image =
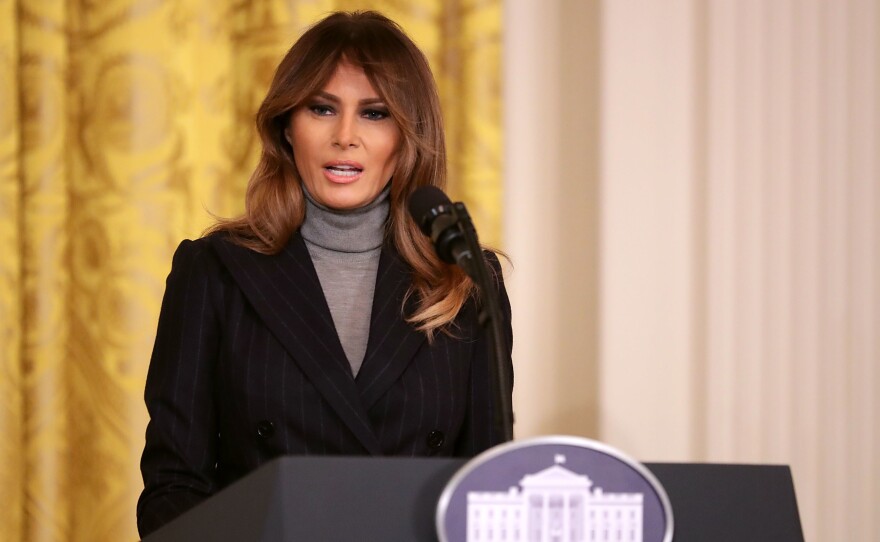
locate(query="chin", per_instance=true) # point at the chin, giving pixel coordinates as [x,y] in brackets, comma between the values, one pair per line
[348,198]
[345,202]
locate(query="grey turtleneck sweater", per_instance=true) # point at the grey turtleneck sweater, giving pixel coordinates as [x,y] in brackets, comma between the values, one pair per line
[345,248]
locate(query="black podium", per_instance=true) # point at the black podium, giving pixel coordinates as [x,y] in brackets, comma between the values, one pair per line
[390,499]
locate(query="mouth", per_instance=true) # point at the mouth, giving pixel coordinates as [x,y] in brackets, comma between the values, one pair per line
[343,172]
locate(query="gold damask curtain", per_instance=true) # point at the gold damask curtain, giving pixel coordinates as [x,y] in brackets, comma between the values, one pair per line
[123,125]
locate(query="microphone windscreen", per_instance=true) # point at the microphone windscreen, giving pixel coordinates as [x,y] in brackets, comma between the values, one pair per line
[423,204]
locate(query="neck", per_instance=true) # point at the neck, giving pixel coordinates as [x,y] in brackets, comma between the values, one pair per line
[354,230]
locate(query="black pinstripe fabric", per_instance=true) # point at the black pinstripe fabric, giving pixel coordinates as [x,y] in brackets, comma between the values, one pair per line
[247,366]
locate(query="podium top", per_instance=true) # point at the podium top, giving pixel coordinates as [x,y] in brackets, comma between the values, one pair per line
[388,499]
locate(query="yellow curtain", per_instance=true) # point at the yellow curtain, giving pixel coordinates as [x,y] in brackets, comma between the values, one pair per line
[123,124]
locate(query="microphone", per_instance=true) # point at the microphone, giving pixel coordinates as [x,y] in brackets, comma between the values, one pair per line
[445,223]
[455,239]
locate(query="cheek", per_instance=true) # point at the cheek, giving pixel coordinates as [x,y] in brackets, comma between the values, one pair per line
[302,141]
[393,149]
[302,154]
[299,160]
[392,157]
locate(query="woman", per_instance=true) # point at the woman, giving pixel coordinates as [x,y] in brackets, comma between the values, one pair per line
[321,321]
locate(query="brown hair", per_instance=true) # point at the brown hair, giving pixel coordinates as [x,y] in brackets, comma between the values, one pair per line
[397,69]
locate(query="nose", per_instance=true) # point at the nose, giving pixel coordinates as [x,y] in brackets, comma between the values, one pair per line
[346,133]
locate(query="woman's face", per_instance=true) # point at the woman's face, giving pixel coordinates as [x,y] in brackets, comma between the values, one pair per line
[344,141]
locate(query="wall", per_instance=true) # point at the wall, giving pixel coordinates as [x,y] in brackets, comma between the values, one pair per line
[725,296]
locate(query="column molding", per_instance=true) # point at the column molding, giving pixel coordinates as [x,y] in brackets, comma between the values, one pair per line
[551,211]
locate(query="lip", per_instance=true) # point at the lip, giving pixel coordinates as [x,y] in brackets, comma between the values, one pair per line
[342,179]
[350,163]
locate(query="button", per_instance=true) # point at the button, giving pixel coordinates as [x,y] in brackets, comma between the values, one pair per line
[265,429]
[436,439]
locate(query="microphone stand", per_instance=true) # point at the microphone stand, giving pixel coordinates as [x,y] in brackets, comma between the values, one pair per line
[491,318]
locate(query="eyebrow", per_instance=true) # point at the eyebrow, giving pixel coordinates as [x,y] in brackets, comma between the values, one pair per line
[336,99]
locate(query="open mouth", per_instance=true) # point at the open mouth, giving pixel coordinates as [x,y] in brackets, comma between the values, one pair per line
[344,171]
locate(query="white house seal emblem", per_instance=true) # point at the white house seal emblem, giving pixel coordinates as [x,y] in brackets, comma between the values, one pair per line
[554,489]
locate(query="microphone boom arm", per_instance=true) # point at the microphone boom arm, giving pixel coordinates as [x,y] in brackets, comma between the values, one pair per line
[470,258]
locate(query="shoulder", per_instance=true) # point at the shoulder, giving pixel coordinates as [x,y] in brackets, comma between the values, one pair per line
[494,258]
[195,261]
[191,253]
[231,247]
[217,252]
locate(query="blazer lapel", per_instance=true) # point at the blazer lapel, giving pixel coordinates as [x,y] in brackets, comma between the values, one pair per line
[393,342]
[285,291]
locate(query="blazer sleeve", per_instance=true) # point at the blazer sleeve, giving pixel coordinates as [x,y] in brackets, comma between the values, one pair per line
[479,432]
[178,463]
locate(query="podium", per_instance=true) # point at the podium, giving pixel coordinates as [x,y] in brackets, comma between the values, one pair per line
[390,499]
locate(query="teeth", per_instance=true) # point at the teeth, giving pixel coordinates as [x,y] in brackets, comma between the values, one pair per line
[346,171]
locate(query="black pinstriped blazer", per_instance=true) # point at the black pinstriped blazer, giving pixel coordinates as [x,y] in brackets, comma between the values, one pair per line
[247,366]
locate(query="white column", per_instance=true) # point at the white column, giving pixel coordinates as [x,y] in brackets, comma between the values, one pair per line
[566,511]
[648,187]
[550,211]
[545,519]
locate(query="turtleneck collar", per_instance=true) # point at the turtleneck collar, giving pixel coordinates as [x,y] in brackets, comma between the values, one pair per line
[354,230]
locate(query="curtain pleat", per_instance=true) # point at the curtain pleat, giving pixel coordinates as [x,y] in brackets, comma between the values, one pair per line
[12,452]
[45,319]
[124,125]
[472,103]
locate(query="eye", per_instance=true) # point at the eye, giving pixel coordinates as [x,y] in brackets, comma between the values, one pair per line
[321,110]
[375,114]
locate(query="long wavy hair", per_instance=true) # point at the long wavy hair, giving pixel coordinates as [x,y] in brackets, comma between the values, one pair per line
[399,72]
